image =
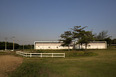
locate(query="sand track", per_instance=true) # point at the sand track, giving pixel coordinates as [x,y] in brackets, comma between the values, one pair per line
[8,63]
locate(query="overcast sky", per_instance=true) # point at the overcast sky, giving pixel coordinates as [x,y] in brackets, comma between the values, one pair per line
[36,20]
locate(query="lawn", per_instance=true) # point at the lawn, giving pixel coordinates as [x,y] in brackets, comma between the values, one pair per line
[101,65]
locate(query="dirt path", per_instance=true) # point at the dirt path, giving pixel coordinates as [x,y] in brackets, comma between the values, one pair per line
[8,63]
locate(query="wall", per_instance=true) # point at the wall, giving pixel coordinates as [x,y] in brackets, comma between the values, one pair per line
[50,46]
[57,45]
[93,46]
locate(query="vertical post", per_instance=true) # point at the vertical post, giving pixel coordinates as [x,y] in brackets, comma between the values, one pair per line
[30,55]
[23,47]
[5,43]
[13,42]
[13,45]
[64,55]
[69,47]
[25,54]
[41,54]
[31,47]
[52,54]
[5,46]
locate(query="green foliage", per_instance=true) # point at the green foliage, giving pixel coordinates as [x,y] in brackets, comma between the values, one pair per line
[41,51]
[66,38]
[16,46]
[78,31]
[102,35]
[78,34]
[9,45]
[80,54]
[71,53]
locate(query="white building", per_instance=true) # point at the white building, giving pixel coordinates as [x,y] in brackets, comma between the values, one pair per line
[49,45]
[93,45]
[57,45]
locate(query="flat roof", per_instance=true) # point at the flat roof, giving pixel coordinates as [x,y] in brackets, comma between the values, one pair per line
[61,42]
[48,41]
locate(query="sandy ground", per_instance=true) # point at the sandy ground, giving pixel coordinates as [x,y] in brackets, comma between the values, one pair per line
[8,63]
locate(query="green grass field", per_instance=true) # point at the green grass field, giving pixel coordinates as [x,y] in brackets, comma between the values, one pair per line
[94,63]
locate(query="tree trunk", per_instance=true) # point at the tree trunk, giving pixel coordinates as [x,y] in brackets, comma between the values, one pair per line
[85,46]
[68,47]
[81,46]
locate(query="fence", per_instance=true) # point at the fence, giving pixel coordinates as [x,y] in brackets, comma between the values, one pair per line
[40,54]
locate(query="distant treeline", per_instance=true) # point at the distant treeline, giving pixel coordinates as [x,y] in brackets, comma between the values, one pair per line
[9,46]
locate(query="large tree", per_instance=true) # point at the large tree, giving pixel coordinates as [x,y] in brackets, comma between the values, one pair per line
[86,37]
[103,36]
[82,36]
[78,34]
[66,37]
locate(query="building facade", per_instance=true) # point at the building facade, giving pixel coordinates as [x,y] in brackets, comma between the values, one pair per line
[58,45]
[49,45]
[93,45]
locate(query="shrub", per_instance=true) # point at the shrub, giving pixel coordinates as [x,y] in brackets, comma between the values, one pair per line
[80,53]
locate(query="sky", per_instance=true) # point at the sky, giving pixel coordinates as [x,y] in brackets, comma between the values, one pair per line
[26,21]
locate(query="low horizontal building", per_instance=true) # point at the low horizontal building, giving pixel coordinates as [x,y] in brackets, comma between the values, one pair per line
[58,45]
[93,45]
[49,45]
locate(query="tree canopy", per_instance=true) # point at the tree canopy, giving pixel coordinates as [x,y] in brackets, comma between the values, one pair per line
[77,33]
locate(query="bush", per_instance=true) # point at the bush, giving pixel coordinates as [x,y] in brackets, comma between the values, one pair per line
[80,53]
[72,53]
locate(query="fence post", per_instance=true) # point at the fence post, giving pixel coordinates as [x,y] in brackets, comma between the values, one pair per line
[52,54]
[41,54]
[64,55]
[26,54]
[30,55]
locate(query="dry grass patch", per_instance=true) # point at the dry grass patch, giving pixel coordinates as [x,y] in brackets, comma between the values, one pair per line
[8,63]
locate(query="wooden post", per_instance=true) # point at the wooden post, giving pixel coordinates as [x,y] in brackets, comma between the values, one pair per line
[5,43]
[5,46]
[26,54]
[52,54]
[30,54]
[64,55]
[13,42]
[41,54]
